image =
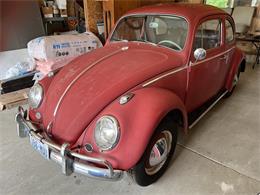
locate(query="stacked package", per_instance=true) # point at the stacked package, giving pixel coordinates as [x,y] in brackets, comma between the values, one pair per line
[53,52]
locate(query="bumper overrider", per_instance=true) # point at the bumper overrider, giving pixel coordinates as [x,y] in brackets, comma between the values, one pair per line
[67,159]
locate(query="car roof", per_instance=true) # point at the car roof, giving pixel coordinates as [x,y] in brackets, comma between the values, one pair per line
[187,10]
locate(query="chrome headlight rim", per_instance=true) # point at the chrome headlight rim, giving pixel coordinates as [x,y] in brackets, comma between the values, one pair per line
[32,104]
[118,134]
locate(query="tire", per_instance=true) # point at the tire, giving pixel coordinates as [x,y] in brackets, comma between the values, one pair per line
[149,168]
[235,81]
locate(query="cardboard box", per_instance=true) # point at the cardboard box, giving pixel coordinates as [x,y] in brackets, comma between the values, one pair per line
[47,12]
[63,13]
[71,8]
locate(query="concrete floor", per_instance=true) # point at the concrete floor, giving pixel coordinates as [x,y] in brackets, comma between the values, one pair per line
[221,155]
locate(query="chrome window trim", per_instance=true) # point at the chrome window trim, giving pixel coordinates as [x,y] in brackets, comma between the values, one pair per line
[233,31]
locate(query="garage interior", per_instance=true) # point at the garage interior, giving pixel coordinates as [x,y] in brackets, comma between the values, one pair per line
[220,155]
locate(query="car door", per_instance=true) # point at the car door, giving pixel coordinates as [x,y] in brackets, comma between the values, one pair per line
[227,55]
[204,81]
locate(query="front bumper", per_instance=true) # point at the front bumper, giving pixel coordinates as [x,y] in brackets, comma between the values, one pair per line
[67,159]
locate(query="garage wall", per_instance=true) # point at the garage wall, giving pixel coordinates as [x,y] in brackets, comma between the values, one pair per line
[20,22]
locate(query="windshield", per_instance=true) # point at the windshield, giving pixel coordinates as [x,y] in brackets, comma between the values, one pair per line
[168,31]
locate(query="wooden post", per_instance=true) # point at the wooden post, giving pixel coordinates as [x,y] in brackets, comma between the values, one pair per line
[93,12]
[195,1]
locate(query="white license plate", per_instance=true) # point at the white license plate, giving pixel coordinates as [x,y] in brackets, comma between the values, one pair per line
[40,147]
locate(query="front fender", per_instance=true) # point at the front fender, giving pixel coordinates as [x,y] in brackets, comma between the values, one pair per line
[45,83]
[138,119]
[237,59]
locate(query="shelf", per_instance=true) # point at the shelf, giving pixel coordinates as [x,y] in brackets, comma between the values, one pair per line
[59,19]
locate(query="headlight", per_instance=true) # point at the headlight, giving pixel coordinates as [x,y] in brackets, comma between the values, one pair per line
[35,96]
[107,133]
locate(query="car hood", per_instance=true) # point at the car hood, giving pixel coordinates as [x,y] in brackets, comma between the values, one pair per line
[88,84]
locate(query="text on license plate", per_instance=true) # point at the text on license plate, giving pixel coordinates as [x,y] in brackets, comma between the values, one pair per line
[40,147]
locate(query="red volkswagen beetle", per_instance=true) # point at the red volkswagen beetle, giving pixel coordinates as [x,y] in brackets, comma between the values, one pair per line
[117,109]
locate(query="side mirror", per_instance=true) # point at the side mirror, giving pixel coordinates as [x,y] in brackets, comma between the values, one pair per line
[200,54]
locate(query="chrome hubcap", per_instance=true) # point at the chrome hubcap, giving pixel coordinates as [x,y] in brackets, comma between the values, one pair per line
[159,153]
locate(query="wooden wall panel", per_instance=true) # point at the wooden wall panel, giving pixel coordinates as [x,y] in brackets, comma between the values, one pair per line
[112,10]
[121,7]
[93,13]
[151,2]
[108,15]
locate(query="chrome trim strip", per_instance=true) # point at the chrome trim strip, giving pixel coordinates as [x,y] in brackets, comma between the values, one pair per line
[165,75]
[207,59]
[85,70]
[206,111]
[184,67]
[66,158]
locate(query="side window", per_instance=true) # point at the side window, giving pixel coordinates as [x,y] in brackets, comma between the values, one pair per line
[208,35]
[229,32]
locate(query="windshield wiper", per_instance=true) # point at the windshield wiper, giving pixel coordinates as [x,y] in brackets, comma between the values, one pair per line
[145,41]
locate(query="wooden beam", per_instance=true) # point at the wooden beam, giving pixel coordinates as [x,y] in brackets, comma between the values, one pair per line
[13,99]
[195,1]
[93,12]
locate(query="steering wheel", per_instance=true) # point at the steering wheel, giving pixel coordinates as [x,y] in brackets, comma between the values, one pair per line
[170,42]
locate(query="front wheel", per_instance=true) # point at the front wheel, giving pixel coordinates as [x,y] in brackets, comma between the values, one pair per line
[157,155]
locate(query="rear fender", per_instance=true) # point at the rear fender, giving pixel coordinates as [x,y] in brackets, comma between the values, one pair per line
[237,61]
[137,119]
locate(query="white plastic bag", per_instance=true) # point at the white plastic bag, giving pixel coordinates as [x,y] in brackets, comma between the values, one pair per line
[20,68]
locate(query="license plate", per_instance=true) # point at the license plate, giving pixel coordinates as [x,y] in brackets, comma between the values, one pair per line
[40,147]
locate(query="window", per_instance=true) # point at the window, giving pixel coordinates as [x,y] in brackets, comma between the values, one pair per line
[208,35]
[167,31]
[229,32]
[232,3]
[218,3]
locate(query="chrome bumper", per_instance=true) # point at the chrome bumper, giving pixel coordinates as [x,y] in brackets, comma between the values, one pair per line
[65,157]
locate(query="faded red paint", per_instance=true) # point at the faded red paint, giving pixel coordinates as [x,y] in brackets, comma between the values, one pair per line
[97,91]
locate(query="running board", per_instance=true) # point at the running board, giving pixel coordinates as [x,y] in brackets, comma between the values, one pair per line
[207,110]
